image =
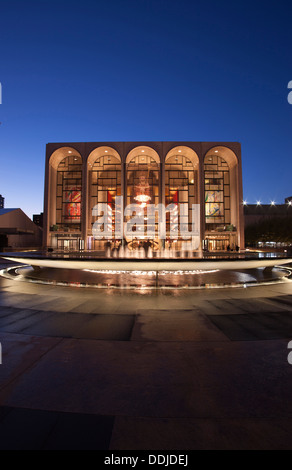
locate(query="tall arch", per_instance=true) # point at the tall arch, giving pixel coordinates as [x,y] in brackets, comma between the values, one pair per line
[65,197]
[143,187]
[221,197]
[142,151]
[142,176]
[61,153]
[182,185]
[104,170]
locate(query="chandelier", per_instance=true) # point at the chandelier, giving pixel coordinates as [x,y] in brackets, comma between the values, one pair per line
[143,198]
[142,191]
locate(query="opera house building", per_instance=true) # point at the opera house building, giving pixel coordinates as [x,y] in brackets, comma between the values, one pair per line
[79,177]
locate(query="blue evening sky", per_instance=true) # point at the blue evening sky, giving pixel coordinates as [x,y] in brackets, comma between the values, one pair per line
[123,70]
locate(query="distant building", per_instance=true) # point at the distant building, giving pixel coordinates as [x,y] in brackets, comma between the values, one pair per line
[38,219]
[268,225]
[254,213]
[2,199]
[17,231]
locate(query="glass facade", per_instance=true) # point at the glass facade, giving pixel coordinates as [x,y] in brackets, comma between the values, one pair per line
[217,192]
[105,185]
[69,195]
[142,176]
[181,187]
[142,179]
[177,178]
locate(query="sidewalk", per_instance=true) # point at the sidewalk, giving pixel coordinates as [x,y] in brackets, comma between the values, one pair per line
[85,369]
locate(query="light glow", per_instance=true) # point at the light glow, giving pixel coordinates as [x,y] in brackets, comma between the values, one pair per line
[150,273]
[143,198]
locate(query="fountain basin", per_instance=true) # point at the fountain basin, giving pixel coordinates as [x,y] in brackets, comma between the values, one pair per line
[157,264]
[81,270]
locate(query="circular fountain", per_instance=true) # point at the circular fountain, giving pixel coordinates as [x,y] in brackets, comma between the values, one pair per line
[160,270]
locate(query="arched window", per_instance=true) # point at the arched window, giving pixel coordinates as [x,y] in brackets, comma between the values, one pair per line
[142,177]
[217,192]
[181,185]
[104,181]
[69,194]
[142,180]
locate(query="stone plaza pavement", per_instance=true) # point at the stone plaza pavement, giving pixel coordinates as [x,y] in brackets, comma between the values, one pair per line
[145,370]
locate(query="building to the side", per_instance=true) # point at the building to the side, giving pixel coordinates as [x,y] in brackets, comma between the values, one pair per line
[255,213]
[2,201]
[78,176]
[268,225]
[17,231]
[38,219]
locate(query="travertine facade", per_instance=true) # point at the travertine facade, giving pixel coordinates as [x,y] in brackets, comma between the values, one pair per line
[81,175]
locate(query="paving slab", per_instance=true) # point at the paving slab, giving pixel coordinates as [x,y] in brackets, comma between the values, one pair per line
[178,325]
[205,369]
[169,434]
[19,353]
[25,318]
[255,326]
[67,325]
[22,429]
[199,379]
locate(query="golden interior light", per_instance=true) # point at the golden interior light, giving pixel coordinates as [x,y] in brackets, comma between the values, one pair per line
[143,198]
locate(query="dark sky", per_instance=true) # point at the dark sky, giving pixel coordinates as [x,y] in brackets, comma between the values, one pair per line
[127,70]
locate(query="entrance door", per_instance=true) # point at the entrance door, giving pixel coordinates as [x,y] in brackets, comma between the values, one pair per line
[216,244]
[70,244]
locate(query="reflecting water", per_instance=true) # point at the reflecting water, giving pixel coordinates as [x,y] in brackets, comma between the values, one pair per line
[140,279]
[163,279]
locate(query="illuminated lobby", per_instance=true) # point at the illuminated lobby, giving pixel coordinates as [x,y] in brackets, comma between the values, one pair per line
[79,176]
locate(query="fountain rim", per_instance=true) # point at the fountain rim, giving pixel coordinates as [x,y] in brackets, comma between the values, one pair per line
[225,262]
